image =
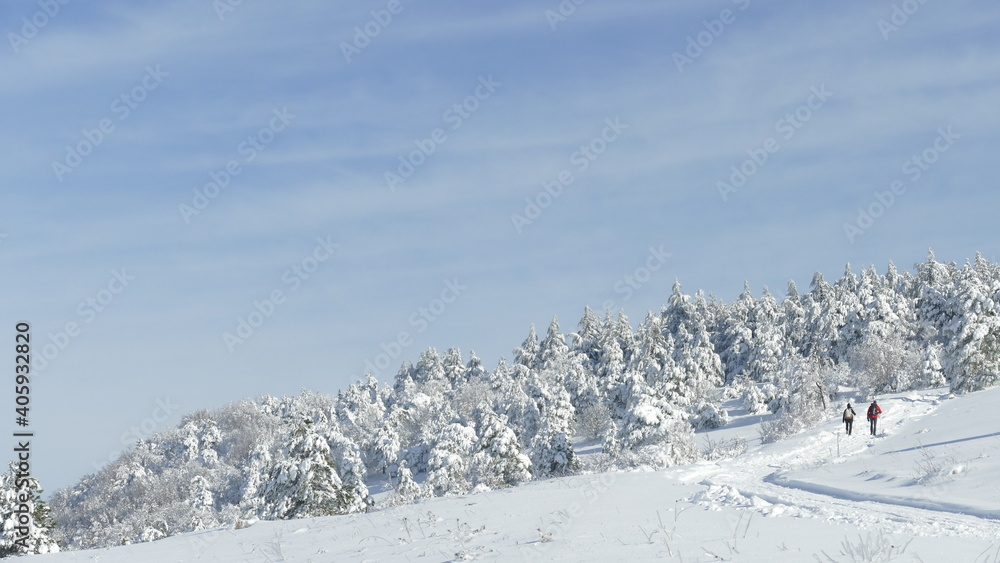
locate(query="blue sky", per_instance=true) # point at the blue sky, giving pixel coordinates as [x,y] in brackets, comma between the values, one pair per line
[600,96]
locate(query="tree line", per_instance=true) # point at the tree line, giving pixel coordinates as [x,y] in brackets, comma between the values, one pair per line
[447,425]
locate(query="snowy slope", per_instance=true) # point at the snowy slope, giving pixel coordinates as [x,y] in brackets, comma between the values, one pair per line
[939,454]
[927,490]
[931,471]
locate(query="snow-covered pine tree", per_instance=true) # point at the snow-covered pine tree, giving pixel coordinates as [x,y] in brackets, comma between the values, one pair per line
[191,441]
[846,316]
[550,448]
[585,354]
[932,273]
[972,349]
[857,322]
[586,341]
[931,372]
[306,483]
[346,457]
[323,415]
[654,360]
[707,312]
[201,499]
[581,383]
[405,490]
[750,394]
[258,467]
[885,312]
[649,419]
[360,409]
[474,370]
[895,282]
[694,352]
[821,333]
[384,454]
[498,461]
[553,349]
[615,338]
[652,431]
[793,319]
[934,288]
[736,340]
[26,522]
[620,391]
[696,358]
[449,460]
[552,451]
[502,376]
[511,400]
[622,332]
[768,345]
[453,367]
[429,370]
[419,419]
[527,354]
[403,384]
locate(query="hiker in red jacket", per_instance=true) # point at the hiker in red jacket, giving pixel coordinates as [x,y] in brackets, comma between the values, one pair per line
[873,412]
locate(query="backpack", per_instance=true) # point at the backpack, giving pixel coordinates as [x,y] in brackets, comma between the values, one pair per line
[848,415]
[872,411]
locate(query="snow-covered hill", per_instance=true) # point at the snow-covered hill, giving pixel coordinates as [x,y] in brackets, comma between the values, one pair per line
[446,425]
[925,490]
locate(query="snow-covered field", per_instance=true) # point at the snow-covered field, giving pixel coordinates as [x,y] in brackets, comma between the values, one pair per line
[927,489]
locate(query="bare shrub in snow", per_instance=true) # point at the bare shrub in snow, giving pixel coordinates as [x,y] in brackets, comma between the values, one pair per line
[678,448]
[933,469]
[593,422]
[467,397]
[872,548]
[794,418]
[886,364]
[803,403]
[715,450]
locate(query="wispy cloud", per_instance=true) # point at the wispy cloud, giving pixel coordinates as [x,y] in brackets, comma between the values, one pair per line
[324,174]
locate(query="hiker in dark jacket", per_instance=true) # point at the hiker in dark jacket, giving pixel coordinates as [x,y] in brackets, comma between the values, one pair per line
[873,412]
[849,418]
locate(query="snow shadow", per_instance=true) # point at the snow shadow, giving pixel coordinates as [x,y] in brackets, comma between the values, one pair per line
[970,438]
